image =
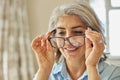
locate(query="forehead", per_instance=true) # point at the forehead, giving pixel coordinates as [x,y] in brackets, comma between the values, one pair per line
[69,21]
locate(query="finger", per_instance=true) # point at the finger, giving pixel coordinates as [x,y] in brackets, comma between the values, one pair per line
[43,41]
[88,43]
[95,33]
[88,47]
[94,37]
[44,45]
[36,42]
[50,48]
[92,31]
[47,35]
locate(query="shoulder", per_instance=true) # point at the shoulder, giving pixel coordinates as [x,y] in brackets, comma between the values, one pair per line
[109,71]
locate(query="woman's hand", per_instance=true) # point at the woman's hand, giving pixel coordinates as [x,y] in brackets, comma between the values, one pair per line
[43,51]
[94,47]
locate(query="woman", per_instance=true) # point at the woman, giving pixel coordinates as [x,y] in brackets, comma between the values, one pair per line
[73,47]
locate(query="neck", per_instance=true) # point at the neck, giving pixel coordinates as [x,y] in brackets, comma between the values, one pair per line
[76,68]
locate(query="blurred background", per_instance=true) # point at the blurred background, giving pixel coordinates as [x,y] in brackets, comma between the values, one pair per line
[22,20]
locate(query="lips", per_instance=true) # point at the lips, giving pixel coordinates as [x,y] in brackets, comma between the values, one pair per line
[70,50]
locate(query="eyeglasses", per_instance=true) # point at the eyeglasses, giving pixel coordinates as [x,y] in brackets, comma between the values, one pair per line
[58,42]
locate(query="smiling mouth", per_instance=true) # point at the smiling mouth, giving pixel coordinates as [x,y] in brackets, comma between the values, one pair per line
[71,50]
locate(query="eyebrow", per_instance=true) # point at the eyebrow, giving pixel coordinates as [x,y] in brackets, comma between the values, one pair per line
[74,27]
[78,27]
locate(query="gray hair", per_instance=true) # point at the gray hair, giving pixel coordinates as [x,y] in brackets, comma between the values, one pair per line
[79,8]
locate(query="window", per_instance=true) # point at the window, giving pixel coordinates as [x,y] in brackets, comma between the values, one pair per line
[115,3]
[100,9]
[114,28]
[108,12]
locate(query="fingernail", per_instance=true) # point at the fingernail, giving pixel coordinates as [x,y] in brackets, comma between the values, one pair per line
[89,28]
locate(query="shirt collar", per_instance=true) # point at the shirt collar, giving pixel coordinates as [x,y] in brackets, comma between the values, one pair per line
[58,67]
[61,68]
[101,66]
[84,74]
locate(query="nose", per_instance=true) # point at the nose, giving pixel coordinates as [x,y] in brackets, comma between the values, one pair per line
[67,42]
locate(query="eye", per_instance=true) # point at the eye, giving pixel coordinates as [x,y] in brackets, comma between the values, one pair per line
[60,33]
[78,32]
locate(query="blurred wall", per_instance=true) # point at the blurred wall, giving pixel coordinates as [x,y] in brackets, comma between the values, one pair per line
[39,12]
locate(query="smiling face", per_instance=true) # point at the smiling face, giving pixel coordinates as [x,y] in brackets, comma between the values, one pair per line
[70,25]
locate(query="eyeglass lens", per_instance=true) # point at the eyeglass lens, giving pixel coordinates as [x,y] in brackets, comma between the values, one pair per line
[74,41]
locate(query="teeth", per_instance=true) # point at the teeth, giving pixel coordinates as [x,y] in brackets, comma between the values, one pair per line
[71,48]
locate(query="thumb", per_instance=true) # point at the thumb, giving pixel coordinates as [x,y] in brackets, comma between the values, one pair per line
[88,47]
[88,43]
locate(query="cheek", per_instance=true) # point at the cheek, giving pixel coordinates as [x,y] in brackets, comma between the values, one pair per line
[82,49]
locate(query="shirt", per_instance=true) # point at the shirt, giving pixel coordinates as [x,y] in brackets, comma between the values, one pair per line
[106,71]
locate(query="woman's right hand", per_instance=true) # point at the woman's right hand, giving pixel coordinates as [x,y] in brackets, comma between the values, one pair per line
[43,51]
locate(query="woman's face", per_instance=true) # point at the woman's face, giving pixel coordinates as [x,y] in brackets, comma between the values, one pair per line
[71,25]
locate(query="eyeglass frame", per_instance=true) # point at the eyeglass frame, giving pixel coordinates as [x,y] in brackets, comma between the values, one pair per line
[66,39]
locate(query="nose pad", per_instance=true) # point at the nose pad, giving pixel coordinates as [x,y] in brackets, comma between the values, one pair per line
[67,44]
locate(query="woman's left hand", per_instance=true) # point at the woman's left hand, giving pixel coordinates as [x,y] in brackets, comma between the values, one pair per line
[94,47]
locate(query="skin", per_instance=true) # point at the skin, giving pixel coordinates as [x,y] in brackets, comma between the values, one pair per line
[79,59]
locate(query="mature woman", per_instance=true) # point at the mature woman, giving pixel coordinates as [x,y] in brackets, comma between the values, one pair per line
[73,47]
